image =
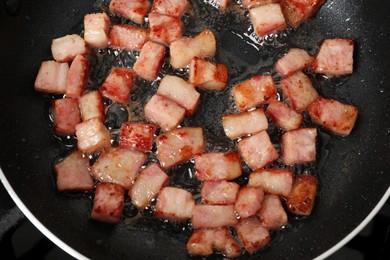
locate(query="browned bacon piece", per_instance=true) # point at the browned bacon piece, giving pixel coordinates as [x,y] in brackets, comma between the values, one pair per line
[252,234]
[207,75]
[174,204]
[283,116]
[118,165]
[118,85]
[150,60]
[298,11]
[164,29]
[108,202]
[218,166]
[137,136]
[302,197]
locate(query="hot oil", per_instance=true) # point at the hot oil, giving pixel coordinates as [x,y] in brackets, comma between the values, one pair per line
[245,55]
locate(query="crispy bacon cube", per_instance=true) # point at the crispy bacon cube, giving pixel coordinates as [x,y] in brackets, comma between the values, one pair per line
[174,204]
[134,10]
[72,173]
[333,115]
[66,48]
[150,60]
[298,11]
[182,51]
[272,213]
[52,77]
[218,166]
[274,181]
[178,90]
[283,116]
[302,196]
[237,125]
[335,57]
[249,201]
[137,136]
[179,145]
[164,112]
[207,75]
[118,85]
[219,192]
[118,165]
[108,202]
[202,242]
[253,92]
[147,185]
[299,146]
[295,60]
[96,28]
[92,136]
[211,216]
[77,77]
[257,151]
[66,115]
[298,91]
[175,8]
[164,29]
[252,234]
[123,36]
[267,19]
[91,105]
[252,3]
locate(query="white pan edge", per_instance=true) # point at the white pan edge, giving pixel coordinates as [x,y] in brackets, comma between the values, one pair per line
[61,244]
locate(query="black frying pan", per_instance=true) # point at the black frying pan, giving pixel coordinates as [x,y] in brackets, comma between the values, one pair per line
[354,176]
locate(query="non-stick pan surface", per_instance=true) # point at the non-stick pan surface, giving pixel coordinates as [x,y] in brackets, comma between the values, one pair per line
[353,178]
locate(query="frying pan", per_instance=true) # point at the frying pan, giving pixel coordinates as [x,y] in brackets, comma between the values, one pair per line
[354,173]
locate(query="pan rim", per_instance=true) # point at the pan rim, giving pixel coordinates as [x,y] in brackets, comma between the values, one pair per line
[46,232]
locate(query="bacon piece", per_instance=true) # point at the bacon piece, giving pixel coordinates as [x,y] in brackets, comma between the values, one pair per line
[66,115]
[108,202]
[249,201]
[251,3]
[92,136]
[295,60]
[178,90]
[299,146]
[333,115]
[267,19]
[52,77]
[211,216]
[274,181]
[66,48]
[283,116]
[179,145]
[253,92]
[118,85]
[72,173]
[164,112]
[252,234]
[96,28]
[91,105]
[150,60]
[219,192]
[137,136]
[134,10]
[183,50]
[77,77]
[218,166]
[298,91]
[298,11]
[164,29]
[147,185]
[272,213]
[237,125]
[174,204]
[202,242]
[127,37]
[118,165]
[207,75]
[335,57]
[257,151]
[302,197]
[175,8]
